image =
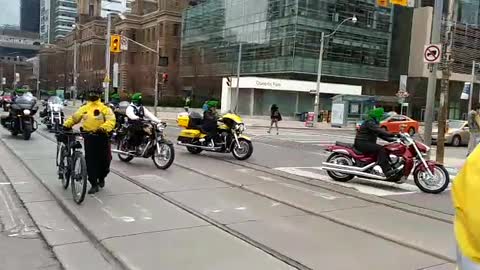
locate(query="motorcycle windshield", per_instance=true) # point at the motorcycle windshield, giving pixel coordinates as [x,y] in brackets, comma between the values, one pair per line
[55,100]
[25,101]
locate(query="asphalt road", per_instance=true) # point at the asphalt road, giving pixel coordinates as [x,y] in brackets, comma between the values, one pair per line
[275,211]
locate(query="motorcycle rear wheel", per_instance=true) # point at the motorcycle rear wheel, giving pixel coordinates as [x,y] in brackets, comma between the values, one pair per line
[123,146]
[345,160]
[439,171]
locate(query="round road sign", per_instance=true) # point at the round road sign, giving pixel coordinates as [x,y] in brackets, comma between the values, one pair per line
[432,53]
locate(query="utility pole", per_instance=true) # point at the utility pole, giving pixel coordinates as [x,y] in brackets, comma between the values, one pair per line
[107,57]
[156,78]
[470,95]
[432,78]
[75,50]
[1,77]
[239,66]
[319,80]
[446,72]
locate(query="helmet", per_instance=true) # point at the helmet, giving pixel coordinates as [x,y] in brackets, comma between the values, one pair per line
[212,104]
[137,98]
[115,97]
[376,114]
[94,94]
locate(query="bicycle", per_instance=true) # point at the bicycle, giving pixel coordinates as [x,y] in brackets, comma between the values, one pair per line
[71,164]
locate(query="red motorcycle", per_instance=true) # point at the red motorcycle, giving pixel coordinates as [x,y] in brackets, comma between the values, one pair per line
[405,154]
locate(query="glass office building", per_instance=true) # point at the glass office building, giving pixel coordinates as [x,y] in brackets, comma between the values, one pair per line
[281,38]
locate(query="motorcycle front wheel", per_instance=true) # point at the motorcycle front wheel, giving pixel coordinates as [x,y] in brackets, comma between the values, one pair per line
[243,150]
[163,155]
[432,185]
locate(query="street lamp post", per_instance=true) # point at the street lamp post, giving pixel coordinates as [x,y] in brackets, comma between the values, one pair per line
[320,63]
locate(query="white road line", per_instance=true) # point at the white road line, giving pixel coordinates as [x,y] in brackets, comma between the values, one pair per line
[360,187]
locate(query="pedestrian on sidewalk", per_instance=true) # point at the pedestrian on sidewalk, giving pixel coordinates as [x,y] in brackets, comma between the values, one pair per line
[474,128]
[466,202]
[275,117]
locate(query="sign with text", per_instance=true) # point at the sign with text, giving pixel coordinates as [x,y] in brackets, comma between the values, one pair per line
[466,91]
[400,2]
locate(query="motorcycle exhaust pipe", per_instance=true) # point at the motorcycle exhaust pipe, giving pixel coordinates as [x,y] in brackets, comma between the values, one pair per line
[122,152]
[356,173]
[345,167]
[201,147]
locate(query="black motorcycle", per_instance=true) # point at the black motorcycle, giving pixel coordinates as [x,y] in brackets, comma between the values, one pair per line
[20,119]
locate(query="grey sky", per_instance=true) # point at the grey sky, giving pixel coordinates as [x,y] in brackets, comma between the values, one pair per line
[10,12]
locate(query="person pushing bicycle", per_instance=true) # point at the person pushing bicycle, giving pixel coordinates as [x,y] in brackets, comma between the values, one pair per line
[99,120]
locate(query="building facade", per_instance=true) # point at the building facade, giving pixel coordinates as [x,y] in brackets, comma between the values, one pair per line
[136,72]
[281,39]
[30,15]
[57,18]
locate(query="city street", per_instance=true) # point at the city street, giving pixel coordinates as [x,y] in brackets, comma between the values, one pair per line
[276,210]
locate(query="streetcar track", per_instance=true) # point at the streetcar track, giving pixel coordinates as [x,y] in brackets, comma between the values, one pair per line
[207,219]
[259,245]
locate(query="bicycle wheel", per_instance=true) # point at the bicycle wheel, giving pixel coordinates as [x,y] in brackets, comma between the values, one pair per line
[64,172]
[79,177]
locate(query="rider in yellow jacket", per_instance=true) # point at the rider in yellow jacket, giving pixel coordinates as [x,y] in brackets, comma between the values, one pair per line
[466,200]
[98,119]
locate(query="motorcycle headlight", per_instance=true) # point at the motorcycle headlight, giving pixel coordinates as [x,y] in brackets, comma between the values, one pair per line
[56,109]
[26,112]
[240,127]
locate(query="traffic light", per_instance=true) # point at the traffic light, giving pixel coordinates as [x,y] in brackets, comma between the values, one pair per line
[115,43]
[165,77]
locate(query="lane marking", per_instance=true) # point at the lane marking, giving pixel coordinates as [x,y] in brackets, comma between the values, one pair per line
[360,187]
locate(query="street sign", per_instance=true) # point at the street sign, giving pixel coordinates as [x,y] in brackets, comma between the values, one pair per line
[432,53]
[17,77]
[466,91]
[106,80]
[4,80]
[124,44]
[382,3]
[400,2]
[116,72]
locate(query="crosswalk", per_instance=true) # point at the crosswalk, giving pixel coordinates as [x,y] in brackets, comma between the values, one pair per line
[366,186]
[301,138]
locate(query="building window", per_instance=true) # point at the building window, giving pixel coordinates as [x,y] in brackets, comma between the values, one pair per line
[160,30]
[176,30]
[90,10]
[174,55]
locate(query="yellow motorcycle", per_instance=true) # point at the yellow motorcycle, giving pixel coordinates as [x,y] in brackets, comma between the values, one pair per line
[229,138]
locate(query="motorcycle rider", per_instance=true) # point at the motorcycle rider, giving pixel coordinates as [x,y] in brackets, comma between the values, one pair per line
[136,112]
[366,140]
[100,120]
[210,122]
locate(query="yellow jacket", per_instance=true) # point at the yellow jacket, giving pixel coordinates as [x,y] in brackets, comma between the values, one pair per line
[466,200]
[95,115]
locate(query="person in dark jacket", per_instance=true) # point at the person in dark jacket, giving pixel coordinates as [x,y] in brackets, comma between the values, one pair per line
[275,117]
[366,140]
[210,122]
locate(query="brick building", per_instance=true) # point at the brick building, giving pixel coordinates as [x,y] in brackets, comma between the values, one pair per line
[149,21]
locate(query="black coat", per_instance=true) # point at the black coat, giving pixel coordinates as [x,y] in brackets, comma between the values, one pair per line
[369,132]
[210,120]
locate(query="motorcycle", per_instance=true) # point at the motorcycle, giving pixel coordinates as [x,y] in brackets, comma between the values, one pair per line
[229,138]
[52,115]
[20,118]
[405,155]
[154,145]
